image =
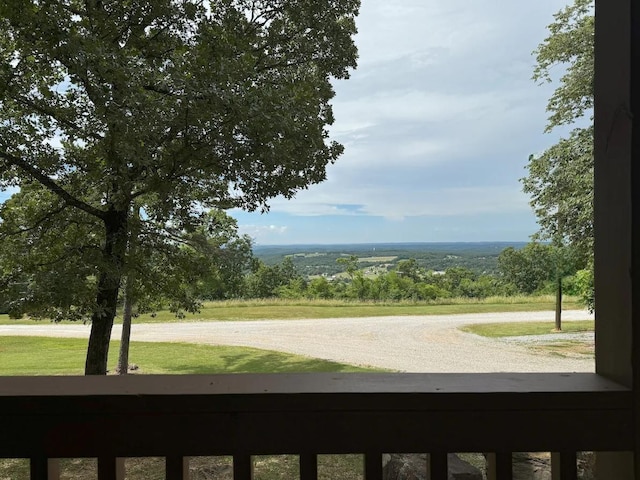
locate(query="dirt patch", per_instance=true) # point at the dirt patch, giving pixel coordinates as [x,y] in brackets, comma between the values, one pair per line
[567,349]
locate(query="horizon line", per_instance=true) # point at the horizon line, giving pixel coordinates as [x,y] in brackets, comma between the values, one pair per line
[433,242]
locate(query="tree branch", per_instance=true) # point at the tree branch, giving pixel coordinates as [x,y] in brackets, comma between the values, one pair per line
[50,185]
[37,223]
[161,90]
[68,254]
[46,111]
[284,64]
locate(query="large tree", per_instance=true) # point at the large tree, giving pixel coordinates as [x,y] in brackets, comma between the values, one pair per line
[175,106]
[560,179]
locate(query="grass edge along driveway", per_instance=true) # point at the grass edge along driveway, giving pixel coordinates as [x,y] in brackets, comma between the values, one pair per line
[517,329]
[65,356]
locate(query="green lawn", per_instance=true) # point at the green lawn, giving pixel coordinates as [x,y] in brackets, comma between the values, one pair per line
[526,328]
[296,309]
[65,356]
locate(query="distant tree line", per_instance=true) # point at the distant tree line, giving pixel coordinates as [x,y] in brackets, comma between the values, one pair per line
[316,261]
[533,270]
[235,273]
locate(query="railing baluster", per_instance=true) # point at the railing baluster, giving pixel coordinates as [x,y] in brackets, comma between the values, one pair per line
[177,468]
[39,468]
[564,466]
[373,466]
[111,468]
[499,466]
[242,467]
[43,468]
[308,466]
[439,466]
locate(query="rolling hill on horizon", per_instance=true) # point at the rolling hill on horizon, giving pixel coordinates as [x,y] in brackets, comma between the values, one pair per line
[320,259]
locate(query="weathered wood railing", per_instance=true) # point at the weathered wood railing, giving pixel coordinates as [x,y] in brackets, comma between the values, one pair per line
[45,418]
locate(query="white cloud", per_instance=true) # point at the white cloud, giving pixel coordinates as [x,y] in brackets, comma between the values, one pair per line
[437,121]
[418,148]
[441,115]
[349,127]
[263,233]
[388,30]
[413,106]
[388,202]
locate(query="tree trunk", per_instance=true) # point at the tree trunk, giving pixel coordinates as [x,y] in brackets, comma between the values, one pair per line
[129,295]
[559,304]
[101,325]
[123,358]
[110,272]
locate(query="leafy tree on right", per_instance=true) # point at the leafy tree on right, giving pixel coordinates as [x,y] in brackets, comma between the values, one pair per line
[560,179]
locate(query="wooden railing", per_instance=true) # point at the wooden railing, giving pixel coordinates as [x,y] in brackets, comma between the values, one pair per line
[46,418]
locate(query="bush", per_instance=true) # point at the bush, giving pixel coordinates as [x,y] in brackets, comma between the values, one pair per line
[585,288]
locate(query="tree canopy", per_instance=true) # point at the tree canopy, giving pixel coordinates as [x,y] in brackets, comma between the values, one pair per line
[560,179]
[172,107]
[527,268]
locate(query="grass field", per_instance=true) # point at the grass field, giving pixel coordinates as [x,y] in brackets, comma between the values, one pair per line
[65,356]
[297,309]
[496,330]
[377,259]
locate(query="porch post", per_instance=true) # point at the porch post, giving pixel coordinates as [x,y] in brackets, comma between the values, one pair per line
[617,206]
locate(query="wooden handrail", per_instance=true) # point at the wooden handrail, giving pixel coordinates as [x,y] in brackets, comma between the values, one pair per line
[310,414]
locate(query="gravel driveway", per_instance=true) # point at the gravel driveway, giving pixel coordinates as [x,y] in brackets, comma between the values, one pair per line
[406,343]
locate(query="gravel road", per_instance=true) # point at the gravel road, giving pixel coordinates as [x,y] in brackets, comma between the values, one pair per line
[405,343]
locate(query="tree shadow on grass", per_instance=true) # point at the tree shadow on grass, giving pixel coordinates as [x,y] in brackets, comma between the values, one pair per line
[267,362]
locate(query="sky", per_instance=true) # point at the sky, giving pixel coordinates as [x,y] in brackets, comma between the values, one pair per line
[437,121]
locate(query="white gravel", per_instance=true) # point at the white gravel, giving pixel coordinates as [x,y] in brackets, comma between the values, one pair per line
[405,343]
[586,337]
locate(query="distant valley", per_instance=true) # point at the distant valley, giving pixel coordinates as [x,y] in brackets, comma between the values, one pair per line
[321,260]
